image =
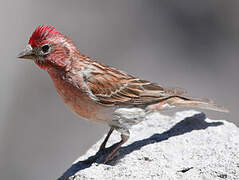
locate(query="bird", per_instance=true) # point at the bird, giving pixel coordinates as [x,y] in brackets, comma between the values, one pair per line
[101,93]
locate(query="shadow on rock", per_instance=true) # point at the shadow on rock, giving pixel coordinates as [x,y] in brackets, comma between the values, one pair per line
[196,122]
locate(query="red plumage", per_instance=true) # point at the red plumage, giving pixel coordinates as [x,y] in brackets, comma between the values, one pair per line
[42,33]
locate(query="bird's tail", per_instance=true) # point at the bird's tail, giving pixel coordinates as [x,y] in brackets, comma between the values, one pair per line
[201,103]
[183,101]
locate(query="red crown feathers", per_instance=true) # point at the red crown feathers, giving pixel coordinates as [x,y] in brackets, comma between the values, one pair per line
[42,33]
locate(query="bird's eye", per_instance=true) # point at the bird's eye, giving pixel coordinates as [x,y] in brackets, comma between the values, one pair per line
[45,48]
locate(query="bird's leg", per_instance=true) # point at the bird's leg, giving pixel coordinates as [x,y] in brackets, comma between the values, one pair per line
[115,148]
[102,146]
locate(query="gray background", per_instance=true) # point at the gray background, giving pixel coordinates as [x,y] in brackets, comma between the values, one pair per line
[190,44]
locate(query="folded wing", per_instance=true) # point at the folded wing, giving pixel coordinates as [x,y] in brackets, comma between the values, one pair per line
[114,87]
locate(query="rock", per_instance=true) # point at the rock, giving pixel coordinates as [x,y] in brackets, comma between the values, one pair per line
[185,146]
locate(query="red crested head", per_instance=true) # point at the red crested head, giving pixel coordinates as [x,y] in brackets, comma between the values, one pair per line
[48,48]
[42,33]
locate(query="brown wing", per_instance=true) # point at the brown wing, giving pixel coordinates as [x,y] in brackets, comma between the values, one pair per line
[114,87]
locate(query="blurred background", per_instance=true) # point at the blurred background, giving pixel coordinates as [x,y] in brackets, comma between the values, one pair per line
[189,44]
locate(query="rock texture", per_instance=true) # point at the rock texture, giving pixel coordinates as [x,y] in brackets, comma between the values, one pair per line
[185,146]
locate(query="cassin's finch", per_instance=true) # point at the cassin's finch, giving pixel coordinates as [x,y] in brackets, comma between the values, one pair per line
[101,93]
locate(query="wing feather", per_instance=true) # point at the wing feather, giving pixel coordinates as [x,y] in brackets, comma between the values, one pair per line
[114,87]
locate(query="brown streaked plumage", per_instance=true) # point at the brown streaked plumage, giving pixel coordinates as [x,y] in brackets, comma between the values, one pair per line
[102,93]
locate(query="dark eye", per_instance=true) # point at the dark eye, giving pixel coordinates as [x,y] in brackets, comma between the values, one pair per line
[45,48]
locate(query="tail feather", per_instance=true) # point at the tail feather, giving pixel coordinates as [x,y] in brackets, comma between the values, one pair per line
[196,102]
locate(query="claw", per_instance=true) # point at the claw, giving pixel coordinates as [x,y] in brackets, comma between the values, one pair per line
[114,149]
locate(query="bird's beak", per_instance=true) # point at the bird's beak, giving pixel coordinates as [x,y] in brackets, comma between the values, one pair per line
[27,53]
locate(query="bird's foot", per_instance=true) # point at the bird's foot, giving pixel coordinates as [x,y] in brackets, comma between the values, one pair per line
[107,155]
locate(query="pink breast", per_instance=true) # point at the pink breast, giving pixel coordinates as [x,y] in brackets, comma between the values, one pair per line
[77,100]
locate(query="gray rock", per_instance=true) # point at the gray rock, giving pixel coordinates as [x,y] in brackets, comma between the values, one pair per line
[185,146]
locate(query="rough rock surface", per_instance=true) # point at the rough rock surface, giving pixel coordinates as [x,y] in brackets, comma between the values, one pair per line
[184,146]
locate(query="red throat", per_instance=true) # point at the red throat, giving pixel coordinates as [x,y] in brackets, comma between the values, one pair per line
[42,33]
